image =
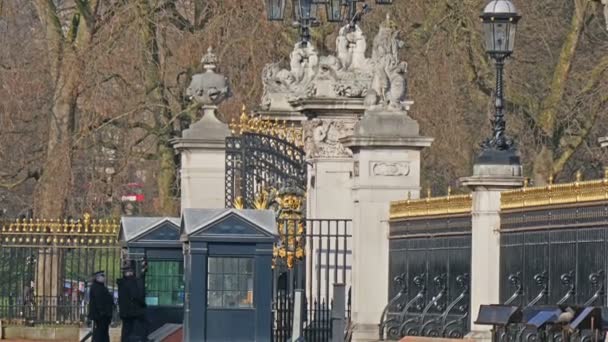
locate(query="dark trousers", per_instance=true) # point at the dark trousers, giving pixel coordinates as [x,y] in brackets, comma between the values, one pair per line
[133,329]
[128,329]
[101,330]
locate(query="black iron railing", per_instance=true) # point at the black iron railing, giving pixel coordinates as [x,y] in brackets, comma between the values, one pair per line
[327,253]
[45,268]
[555,256]
[429,264]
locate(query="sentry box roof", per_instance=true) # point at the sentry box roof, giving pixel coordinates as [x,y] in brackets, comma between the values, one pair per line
[149,229]
[228,225]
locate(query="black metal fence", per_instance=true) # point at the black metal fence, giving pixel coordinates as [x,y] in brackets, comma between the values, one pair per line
[316,319]
[326,260]
[429,264]
[555,256]
[45,268]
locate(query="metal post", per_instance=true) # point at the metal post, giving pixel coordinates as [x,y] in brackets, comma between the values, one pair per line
[338,313]
[296,334]
[499,140]
[499,124]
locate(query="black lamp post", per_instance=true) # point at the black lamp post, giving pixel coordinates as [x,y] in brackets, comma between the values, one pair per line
[500,23]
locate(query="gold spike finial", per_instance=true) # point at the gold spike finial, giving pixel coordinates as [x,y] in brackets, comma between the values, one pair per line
[550,181]
[579,176]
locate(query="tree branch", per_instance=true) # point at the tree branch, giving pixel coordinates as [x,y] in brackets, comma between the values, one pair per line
[86,10]
[175,18]
[549,107]
[569,145]
[47,13]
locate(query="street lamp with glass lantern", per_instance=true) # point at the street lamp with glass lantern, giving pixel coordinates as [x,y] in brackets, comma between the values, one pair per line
[499,19]
[305,12]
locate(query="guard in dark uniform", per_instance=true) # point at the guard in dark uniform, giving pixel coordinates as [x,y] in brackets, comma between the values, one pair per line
[101,305]
[132,306]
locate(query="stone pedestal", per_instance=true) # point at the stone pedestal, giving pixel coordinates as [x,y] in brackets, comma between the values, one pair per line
[490,177]
[386,151]
[203,150]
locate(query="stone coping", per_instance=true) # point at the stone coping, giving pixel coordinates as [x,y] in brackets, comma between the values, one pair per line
[388,141]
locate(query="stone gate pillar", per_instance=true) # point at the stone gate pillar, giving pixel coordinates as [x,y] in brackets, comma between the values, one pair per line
[203,146]
[493,173]
[386,147]
[330,172]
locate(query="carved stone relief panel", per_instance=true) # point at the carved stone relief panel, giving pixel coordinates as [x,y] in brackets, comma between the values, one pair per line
[389,169]
[322,138]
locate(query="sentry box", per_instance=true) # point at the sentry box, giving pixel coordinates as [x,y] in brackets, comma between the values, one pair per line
[154,243]
[228,273]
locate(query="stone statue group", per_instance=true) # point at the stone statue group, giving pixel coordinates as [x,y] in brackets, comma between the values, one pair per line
[380,80]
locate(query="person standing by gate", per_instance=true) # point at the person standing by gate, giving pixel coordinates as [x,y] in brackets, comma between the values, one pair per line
[131,305]
[101,305]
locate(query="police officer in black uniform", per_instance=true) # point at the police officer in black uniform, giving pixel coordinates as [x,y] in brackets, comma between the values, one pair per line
[132,306]
[101,305]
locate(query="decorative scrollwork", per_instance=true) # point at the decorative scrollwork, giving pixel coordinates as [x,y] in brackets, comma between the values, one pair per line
[456,328]
[273,128]
[441,283]
[597,282]
[568,281]
[417,325]
[515,281]
[290,246]
[452,320]
[541,281]
[397,330]
[430,327]
[400,280]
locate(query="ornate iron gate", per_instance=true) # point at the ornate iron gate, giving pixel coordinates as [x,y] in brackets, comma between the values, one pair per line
[266,168]
[262,155]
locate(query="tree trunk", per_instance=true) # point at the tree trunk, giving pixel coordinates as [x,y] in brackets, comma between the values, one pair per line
[158,105]
[54,187]
[52,192]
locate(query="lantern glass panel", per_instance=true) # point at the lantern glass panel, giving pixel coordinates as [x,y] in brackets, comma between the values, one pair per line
[500,34]
[305,9]
[335,11]
[275,9]
[489,33]
[512,30]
